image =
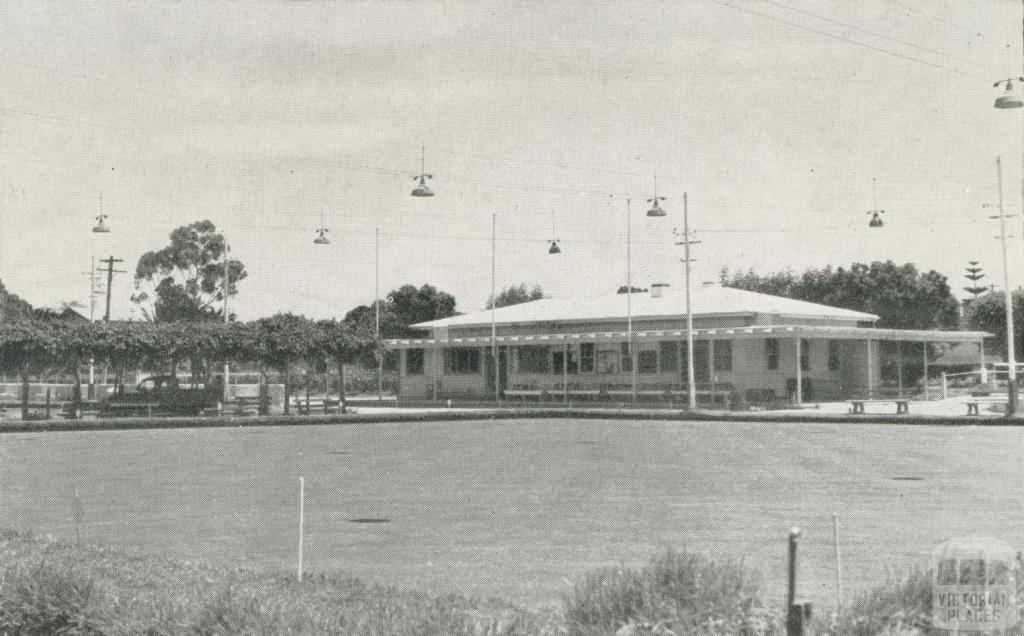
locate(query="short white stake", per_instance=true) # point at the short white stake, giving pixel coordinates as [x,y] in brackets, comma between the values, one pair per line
[78,514]
[839,565]
[302,512]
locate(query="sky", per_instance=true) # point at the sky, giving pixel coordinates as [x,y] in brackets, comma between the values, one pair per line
[784,122]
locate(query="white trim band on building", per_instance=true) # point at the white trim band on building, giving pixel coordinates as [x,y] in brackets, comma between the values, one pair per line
[737,333]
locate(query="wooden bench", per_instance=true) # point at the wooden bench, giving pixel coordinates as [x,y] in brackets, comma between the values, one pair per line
[974,403]
[306,406]
[129,408]
[902,406]
[244,405]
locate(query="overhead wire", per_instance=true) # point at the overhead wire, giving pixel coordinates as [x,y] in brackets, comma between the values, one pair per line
[911,9]
[840,38]
[880,36]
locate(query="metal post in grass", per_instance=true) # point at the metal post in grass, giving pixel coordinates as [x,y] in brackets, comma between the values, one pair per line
[302,513]
[47,402]
[839,564]
[78,514]
[797,616]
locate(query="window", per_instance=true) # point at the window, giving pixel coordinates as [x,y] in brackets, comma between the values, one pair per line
[805,355]
[461,360]
[833,355]
[570,362]
[771,354]
[723,355]
[534,359]
[647,361]
[587,357]
[606,361]
[414,361]
[627,360]
[668,354]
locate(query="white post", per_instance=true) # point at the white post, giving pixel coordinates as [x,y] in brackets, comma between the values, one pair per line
[839,564]
[711,371]
[870,371]
[926,392]
[945,386]
[565,373]
[799,373]
[981,356]
[302,513]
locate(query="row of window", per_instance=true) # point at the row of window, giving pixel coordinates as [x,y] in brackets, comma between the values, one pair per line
[669,357]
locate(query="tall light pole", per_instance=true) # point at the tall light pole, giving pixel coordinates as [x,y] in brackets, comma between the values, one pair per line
[494,305]
[1011,100]
[1011,375]
[691,382]
[629,303]
[376,305]
[227,291]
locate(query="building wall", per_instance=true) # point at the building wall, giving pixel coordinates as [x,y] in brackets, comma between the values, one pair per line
[750,375]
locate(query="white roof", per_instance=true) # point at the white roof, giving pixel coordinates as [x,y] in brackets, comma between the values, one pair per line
[705,300]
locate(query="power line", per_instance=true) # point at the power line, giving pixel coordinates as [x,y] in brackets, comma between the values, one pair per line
[847,40]
[868,32]
[930,16]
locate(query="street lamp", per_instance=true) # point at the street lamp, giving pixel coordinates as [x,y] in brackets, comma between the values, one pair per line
[656,210]
[101,227]
[1011,364]
[1008,99]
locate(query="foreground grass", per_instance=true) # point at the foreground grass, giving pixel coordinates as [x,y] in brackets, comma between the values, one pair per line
[49,588]
[53,588]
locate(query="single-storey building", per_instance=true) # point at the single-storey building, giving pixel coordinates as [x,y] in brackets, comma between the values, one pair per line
[748,348]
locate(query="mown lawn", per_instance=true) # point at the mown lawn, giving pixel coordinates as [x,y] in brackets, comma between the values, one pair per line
[520,510]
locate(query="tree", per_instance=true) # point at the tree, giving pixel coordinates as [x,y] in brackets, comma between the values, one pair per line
[899,295]
[974,274]
[516,294]
[403,307]
[988,313]
[185,280]
[345,343]
[11,306]
[281,341]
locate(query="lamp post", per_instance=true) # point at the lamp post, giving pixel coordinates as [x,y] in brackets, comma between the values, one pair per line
[691,383]
[1011,369]
[494,306]
[1010,100]
[227,291]
[376,315]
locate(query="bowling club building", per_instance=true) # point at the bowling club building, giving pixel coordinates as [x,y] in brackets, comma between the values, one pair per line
[748,349]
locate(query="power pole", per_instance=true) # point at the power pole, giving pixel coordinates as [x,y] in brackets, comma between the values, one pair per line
[691,382]
[1011,364]
[110,279]
[227,290]
[92,288]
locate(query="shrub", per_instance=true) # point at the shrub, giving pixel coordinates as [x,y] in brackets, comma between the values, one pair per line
[50,600]
[690,593]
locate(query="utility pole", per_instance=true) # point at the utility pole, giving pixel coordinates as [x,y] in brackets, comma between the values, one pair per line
[92,288]
[494,307]
[227,291]
[629,303]
[1011,375]
[376,306]
[110,279]
[691,382]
